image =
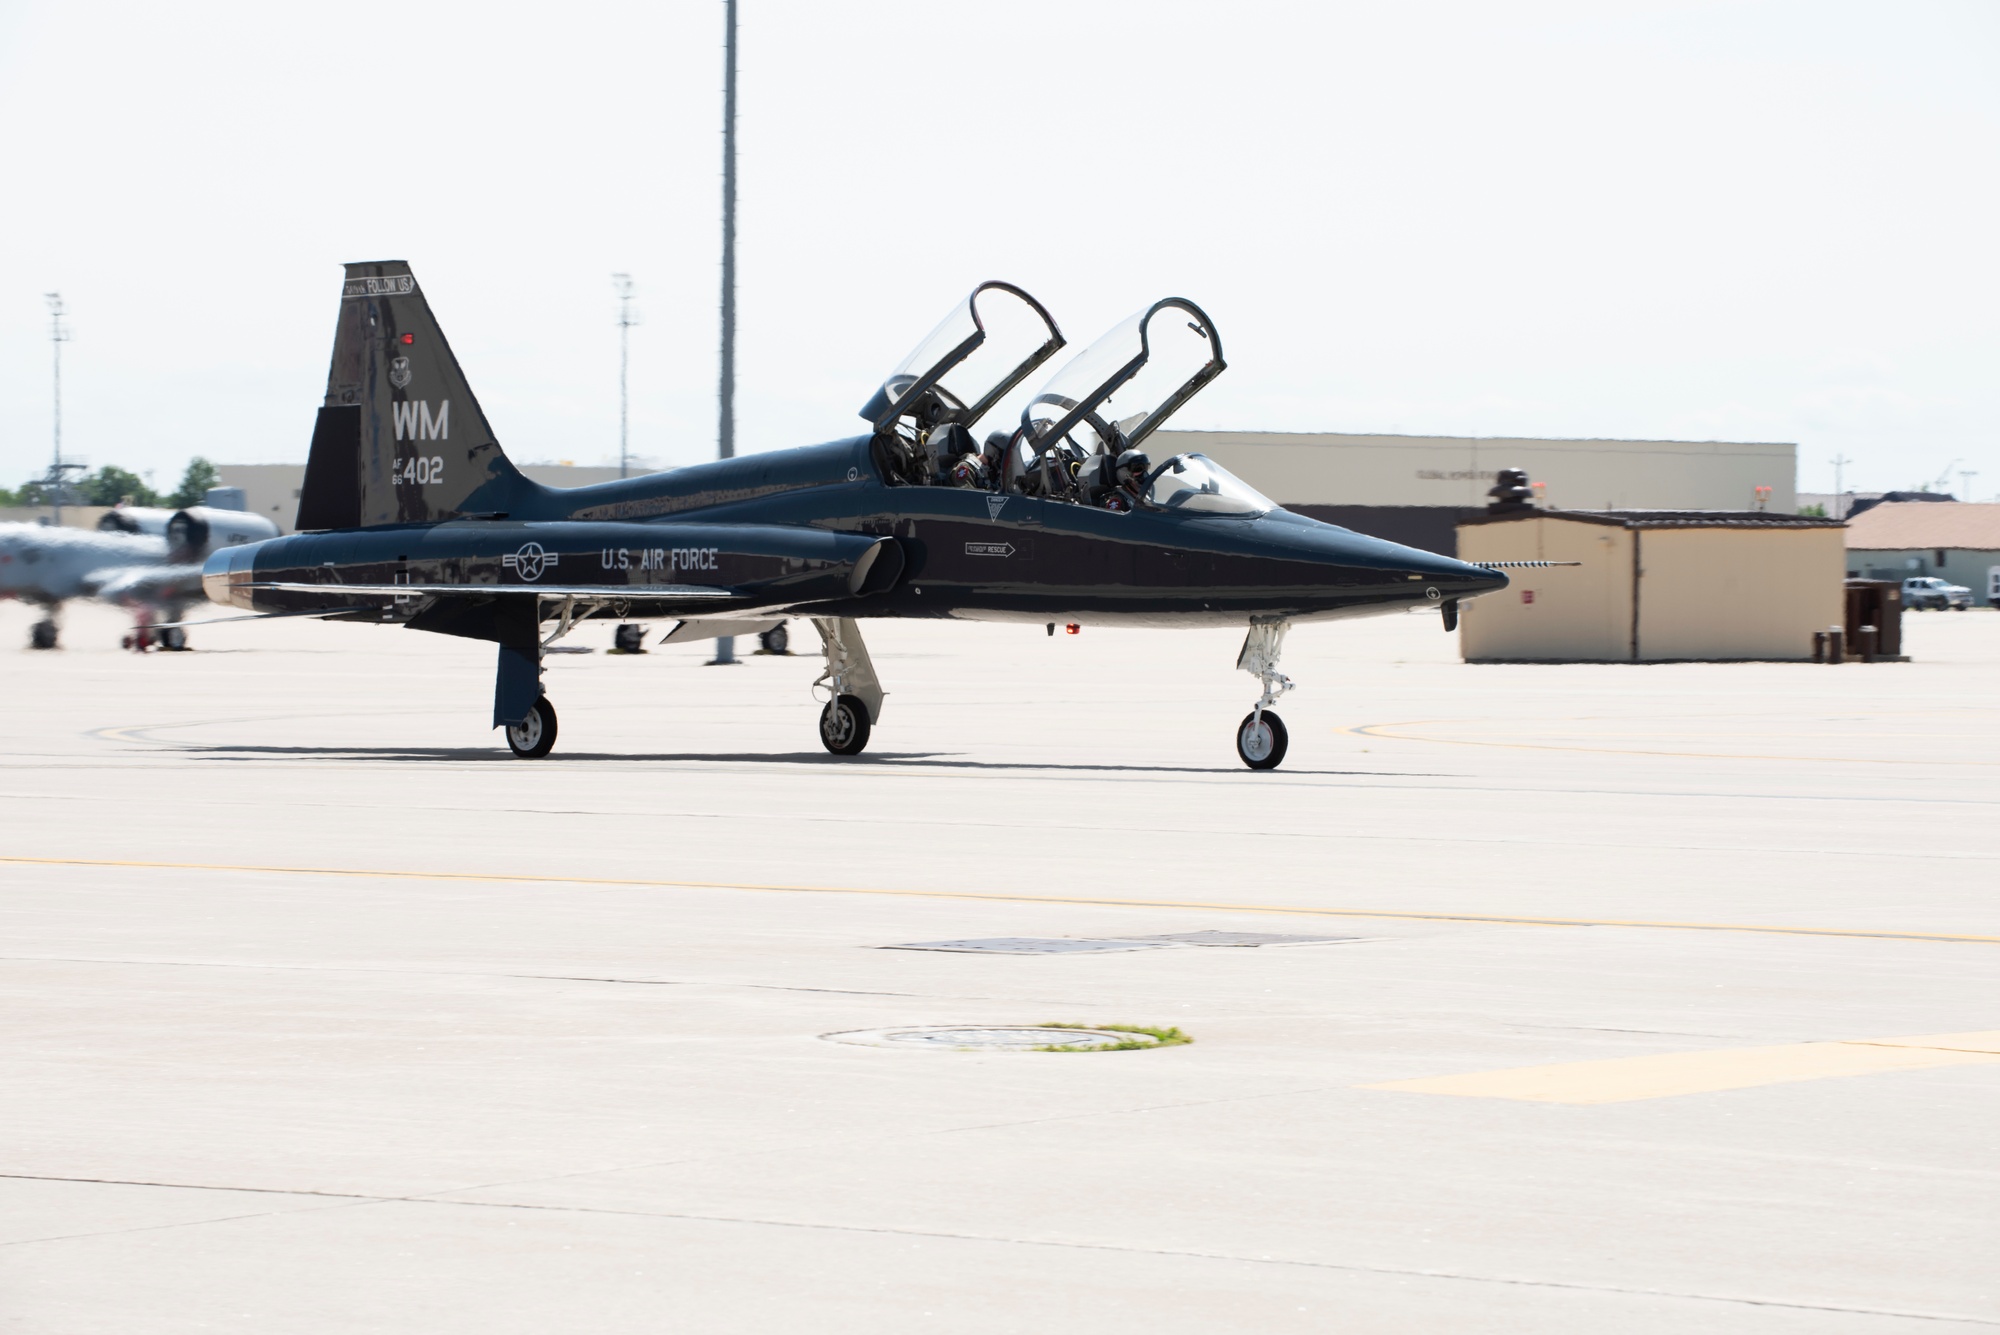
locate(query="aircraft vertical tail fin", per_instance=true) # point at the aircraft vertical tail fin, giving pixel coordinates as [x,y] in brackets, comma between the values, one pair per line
[400,438]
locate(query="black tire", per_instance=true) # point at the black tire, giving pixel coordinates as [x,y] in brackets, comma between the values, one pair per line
[535,736]
[777,640]
[174,638]
[1265,747]
[844,726]
[43,635]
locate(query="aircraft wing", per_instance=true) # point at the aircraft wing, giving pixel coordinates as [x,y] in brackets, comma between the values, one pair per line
[154,585]
[628,592]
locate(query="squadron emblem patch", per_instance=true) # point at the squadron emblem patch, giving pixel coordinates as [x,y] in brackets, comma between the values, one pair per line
[399,372]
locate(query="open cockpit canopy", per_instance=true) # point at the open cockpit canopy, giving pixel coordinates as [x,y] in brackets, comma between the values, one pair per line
[987,345]
[1122,388]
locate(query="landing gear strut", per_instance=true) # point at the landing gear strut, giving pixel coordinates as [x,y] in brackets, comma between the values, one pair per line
[1261,738]
[854,695]
[534,736]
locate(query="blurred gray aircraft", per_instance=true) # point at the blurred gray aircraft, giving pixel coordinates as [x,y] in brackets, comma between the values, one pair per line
[143,559]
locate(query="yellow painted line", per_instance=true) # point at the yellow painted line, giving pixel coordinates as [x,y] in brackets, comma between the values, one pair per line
[1624,1079]
[1377,730]
[1202,906]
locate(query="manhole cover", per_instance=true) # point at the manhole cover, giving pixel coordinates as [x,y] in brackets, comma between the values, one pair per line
[1034,945]
[991,1038]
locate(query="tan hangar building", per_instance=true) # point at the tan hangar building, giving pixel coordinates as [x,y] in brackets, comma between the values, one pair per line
[1416,489]
[1653,586]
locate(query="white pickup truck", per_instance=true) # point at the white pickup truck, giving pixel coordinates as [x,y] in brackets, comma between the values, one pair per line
[1928,592]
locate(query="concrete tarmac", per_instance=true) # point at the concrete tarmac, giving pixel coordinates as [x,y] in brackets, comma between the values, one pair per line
[323,1014]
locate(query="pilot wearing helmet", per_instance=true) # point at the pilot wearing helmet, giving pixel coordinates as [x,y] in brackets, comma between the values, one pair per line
[1129,475]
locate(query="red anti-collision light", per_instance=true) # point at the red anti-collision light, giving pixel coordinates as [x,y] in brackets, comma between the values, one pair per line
[409,338]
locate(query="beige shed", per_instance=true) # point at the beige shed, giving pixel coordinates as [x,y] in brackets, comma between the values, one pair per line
[1653,585]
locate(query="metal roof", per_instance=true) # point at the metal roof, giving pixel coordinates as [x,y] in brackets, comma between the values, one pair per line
[1764,519]
[1908,525]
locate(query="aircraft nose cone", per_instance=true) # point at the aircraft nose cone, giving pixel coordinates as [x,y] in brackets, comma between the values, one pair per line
[1462,579]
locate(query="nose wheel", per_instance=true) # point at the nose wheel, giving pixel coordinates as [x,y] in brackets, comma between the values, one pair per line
[844,726]
[1261,739]
[534,736]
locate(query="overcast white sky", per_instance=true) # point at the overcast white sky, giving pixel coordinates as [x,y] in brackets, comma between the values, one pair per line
[1738,221]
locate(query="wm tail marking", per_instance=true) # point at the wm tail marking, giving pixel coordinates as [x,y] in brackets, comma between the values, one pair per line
[414,420]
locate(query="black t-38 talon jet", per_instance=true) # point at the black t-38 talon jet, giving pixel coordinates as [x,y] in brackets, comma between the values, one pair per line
[412,515]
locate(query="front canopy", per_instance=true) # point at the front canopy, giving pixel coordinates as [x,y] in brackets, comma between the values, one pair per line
[1123,387]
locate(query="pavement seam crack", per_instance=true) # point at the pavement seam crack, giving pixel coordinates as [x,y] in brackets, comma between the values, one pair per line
[1002,897]
[349,1201]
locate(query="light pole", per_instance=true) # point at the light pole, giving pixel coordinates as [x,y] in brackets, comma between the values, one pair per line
[58,335]
[725,645]
[622,284]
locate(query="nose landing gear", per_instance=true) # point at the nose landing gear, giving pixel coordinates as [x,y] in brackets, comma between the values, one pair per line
[855,694]
[1261,738]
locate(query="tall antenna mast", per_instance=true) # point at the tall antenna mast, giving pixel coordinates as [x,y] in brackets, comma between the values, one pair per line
[58,335]
[622,284]
[725,435]
[1839,461]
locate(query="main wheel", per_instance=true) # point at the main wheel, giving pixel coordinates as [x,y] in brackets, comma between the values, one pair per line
[43,635]
[1261,742]
[174,638]
[777,640]
[843,726]
[534,736]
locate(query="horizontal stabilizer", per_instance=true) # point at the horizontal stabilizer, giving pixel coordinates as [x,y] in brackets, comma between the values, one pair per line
[689,631]
[254,616]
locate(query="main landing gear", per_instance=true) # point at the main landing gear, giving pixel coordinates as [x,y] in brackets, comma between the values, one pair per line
[854,695]
[43,635]
[534,736]
[1261,738]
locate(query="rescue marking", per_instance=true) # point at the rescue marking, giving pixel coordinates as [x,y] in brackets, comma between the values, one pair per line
[1668,1074]
[989,549]
[984,896]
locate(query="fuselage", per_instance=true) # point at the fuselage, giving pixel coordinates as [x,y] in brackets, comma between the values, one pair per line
[48,564]
[748,524]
